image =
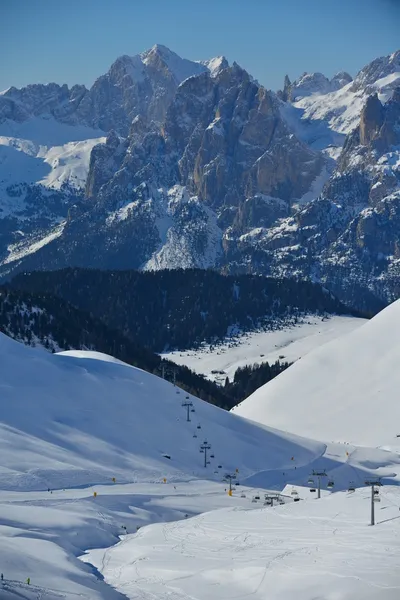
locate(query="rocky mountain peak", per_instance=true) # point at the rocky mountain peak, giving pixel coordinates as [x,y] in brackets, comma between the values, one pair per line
[384,70]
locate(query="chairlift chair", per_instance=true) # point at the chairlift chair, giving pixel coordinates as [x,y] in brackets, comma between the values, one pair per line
[376,492]
[195,435]
[294,492]
[313,490]
[311,481]
[201,451]
[377,499]
[192,410]
[257,497]
[351,487]
[198,426]
[211,455]
[330,485]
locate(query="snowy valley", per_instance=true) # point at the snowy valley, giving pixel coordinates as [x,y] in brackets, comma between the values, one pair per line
[94,449]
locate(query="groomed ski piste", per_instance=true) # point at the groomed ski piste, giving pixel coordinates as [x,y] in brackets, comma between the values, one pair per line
[104,492]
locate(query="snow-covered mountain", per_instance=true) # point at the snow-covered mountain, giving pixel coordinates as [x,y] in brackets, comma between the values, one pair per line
[204,167]
[344,390]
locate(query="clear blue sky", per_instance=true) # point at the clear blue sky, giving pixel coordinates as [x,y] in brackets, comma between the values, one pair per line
[75,41]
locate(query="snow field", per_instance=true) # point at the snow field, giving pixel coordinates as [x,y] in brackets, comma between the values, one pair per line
[321,550]
[288,345]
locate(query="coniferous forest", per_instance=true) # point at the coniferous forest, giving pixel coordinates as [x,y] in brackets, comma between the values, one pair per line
[182,308]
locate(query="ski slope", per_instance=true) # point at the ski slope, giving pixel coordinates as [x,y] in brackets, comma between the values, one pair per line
[314,550]
[288,345]
[347,390]
[93,449]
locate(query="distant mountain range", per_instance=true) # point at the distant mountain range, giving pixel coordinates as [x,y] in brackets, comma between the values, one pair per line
[169,163]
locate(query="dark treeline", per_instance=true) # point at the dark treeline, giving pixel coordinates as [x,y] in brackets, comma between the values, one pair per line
[181,308]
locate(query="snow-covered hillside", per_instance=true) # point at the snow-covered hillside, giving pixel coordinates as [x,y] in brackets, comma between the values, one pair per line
[73,422]
[70,421]
[347,390]
[287,344]
[311,550]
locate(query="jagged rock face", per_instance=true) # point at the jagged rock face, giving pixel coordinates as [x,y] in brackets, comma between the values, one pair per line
[224,140]
[348,238]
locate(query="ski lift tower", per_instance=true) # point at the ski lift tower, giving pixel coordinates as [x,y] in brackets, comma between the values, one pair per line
[373,483]
[319,474]
[203,448]
[188,405]
[229,477]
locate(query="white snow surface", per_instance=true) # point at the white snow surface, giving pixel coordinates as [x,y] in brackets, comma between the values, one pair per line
[71,422]
[287,344]
[313,550]
[347,390]
[43,151]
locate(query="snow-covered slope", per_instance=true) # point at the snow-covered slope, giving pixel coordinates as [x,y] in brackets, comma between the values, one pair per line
[311,550]
[287,344]
[68,420]
[347,390]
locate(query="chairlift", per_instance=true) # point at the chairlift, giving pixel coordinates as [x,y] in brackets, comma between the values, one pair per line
[201,451]
[351,487]
[253,500]
[243,495]
[313,490]
[376,492]
[237,483]
[330,485]
[257,497]
[192,410]
[294,492]
[377,499]
[195,435]
[198,426]
[219,466]
[296,499]
[208,462]
[211,455]
[311,481]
